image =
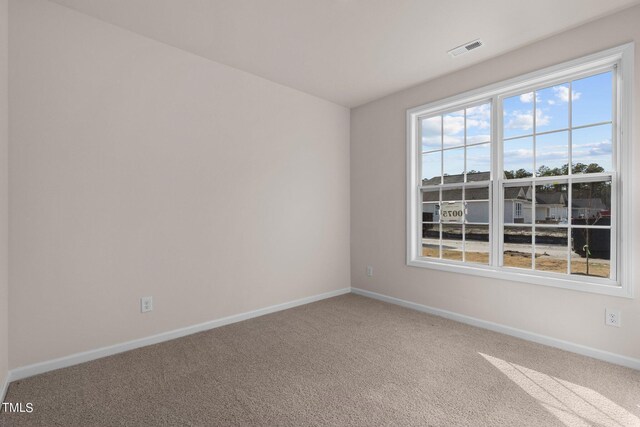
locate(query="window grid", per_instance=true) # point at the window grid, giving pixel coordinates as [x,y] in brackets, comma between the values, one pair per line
[569,226]
[535,179]
[463,187]
[620,168]
[496,170]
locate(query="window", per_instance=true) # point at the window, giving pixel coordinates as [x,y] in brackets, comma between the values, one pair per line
[525,179]
[456,168]
[518,211]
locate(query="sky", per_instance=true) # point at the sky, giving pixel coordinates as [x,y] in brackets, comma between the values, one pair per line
[591,103]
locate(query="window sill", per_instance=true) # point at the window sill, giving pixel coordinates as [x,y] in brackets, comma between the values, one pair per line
[508,274]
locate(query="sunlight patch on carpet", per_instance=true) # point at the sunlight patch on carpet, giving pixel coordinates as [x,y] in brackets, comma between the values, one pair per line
[571,403]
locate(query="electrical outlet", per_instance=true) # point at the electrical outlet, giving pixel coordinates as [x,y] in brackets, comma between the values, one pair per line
[146,304]
[369,271]
[612,317]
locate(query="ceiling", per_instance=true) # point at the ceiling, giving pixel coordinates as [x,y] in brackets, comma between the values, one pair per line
[346,51]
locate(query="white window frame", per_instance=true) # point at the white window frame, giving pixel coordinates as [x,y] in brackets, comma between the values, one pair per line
[621,57]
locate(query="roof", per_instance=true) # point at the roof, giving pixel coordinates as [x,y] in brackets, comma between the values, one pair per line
[556,198]
[589,203]
[517,192]
[458,178]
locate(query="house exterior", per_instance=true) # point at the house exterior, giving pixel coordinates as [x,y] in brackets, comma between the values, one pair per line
[587,208]
[517,205]
[550,207]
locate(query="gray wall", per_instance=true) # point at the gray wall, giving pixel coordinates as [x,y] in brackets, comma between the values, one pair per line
[139,169]
[4,196]
[378,228]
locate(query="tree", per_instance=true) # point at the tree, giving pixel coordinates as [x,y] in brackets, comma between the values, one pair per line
[547,171]
[592,191]
[590,168]
[520,173]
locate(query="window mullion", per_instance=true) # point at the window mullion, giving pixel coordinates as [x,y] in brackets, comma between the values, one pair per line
[495,229]
[614,261]
[569,216]
[534,204]
[418,191]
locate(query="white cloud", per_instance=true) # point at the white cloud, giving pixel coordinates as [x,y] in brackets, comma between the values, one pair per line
[431,132]
[562,93]
[526,97]
[560,155]
[521,121]
[451,141]
[431,125]
[431,142]
[592,148]
[480,124]
[474,139]
[453,124]
[480,112]
[478,120]
[541,118]
[524,120]
[520,153]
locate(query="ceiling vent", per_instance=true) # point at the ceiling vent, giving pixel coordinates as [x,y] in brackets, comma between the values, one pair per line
[465,48]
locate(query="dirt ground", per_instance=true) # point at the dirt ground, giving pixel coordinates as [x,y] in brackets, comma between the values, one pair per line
[597,268]
[477,257]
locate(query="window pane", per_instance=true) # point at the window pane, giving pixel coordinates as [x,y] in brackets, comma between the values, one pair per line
[477,204]
[517,204]
[591,99]
[518,115]
[479,124]
[431,133]
[452,195]
[552,154]
[431,205]
[431,195]
[517,247]
[479,162]
[431,240]
[452,242]
[518,158]
[476,193]
[591,203]
[552,108]
[552,201]
[453,165]
[476,244]
[453,129]
[430,212]
[591,252]
[551,249]
[477,212]
[431,168]
[591,149]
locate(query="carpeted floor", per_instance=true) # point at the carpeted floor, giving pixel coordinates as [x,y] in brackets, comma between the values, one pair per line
[344,361]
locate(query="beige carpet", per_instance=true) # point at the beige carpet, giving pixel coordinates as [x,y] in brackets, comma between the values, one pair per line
[348,360]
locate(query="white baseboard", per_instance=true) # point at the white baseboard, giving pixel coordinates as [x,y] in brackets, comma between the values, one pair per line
[507,330]
[74,359]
